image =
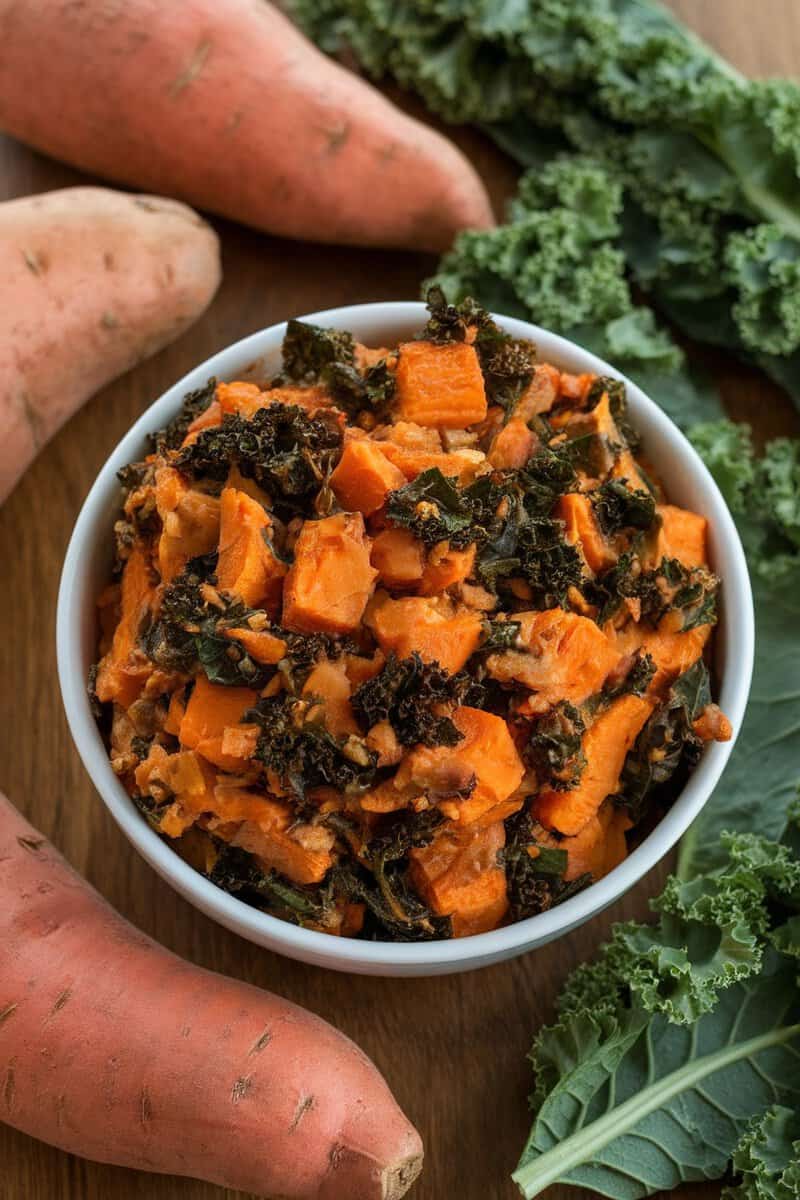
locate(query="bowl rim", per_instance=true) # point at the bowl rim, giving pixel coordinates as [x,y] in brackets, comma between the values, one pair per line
[96,514]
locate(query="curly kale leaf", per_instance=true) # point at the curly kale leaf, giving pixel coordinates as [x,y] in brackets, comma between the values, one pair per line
[619,507]
[194,403]
[767,1159]
[282,448]
[433,509]
[667,747]
[554,748]
[295,744]
[669,587]
[411,695]
[309,351]
[549,564]
[534,882]
[238,873]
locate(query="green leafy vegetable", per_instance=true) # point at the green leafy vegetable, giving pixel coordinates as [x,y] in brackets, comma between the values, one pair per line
[554,749]
[309,350]
[619,507]
[194,403]
[768,1158]
[433,509]
[411,694]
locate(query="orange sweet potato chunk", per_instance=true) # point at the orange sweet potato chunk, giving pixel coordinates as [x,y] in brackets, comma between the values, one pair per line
[331,578]
[435,628]
[248,567]
[328,682]
[262,646]
[399,558]
[364,477]
[211,709]
[512,446]
[598,847]
[124,670]
[485,758]
[440,386]
[563,656]
[683,535]
[582,529]
[189,522]
[273,836]
[673,651]
[605,744]
[445,568]
[458,875]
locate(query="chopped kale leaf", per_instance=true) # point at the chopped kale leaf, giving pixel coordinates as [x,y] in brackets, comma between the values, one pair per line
[433,509]
[194,403]
[619,507]
[410,694]
[555,750]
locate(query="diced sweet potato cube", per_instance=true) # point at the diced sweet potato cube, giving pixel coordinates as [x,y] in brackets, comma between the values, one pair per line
[399,558]
[435,628]
[278,843]
[189,522]
[248,567]
[683,535]
[211,708]
[672,651]
[329,683]
[364,477]
[240,398]
[563,657]
[582,529]
[541,393]
[263,647]
[485,760]
[512,446]
[440,386]
[458,875]
[124,670]
[605,745]
[598,847]
[309,398]
[172,721]
[576,387]
[445,568]
[331,579]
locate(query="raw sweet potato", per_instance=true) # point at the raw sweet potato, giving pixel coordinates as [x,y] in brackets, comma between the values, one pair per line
[440,386]
[562,656]
[248,566]
[331,579]
[605,745]
[459,876]
[436,629]
[228,106]
[364,477]
[93,281]
[114,1049]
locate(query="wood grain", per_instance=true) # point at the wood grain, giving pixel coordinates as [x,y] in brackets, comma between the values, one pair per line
[453,1048]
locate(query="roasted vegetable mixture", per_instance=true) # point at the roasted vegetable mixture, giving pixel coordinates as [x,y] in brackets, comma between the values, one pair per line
[407,643]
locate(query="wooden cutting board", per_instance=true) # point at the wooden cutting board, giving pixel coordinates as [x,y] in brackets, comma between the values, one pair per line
[453,1048]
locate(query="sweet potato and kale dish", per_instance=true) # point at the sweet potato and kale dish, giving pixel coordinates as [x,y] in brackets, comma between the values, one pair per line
[406,643]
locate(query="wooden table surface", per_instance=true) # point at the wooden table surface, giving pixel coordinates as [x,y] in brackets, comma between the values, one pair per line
[453,1048]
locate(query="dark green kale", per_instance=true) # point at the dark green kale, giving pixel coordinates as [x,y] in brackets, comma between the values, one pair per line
[669,587]
[382,883]
[410,694]
[667,747]
[507,370]
[237,872]
[282,448]
[499,635]
[619,507]
[354,392]
[433,509]
[450,322]
[309,351]
[172,435]
[546,476]
[296,745]
[555,747]
[535,884]
[635,682]
[189,630]
[548,562]
[618,403]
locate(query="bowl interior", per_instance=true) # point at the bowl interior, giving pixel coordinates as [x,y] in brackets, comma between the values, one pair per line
[86,570]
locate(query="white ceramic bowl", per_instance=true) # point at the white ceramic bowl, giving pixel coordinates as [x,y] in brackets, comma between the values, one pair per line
[86,570]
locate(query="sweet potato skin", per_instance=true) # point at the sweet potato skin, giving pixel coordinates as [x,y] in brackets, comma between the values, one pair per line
[93,281]
[115,1049]
[171,97]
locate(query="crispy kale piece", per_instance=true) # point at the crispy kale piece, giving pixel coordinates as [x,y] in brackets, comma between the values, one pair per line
[667,744]
[555,749]
[534,883]
[669,587]
[507,371]
[237,872]
[189,630]
[381,881]
[194,403]
[296,746]
[619,507]
[309,351]
[635,682]
[433,509]
[499,635]
[549,564]
[413,696]
[548,474]
[282,448]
